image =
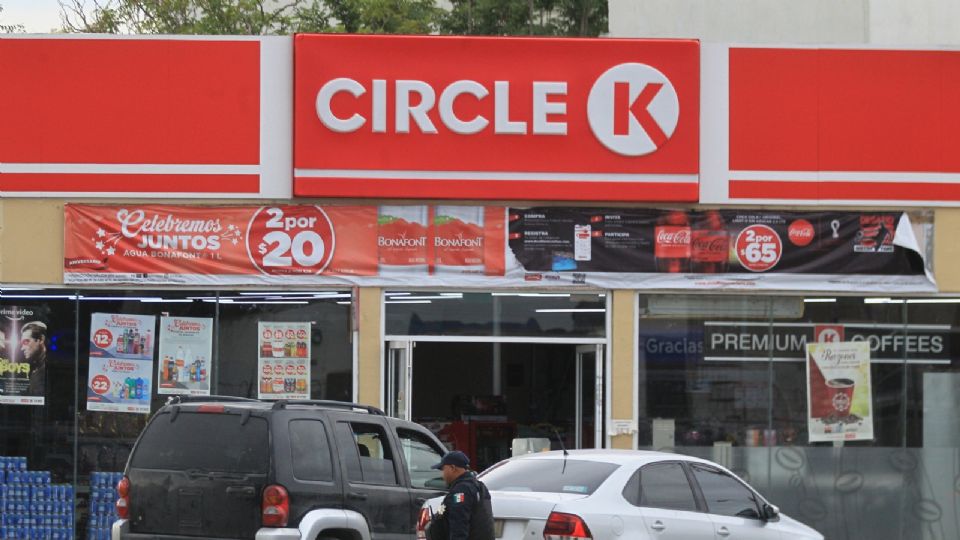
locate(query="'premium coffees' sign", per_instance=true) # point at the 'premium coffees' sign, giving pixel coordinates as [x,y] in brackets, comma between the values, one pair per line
[786,342]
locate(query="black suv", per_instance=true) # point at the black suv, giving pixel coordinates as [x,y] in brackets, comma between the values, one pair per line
[220,467]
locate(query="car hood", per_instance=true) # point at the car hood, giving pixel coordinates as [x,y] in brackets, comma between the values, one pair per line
[792,528]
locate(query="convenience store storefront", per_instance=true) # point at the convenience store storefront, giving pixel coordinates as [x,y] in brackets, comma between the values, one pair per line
[582,236]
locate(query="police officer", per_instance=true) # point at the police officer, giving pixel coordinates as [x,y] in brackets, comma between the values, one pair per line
[467,506]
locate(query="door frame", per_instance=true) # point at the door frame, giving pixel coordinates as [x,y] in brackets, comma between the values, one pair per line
[606,407]
[598,390]
[403,347]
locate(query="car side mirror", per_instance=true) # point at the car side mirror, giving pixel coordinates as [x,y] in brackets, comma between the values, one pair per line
[770,512]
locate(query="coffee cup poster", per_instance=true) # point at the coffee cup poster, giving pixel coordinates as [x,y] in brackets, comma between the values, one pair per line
[121,362]
[839,393]
[283,349]
[186,345]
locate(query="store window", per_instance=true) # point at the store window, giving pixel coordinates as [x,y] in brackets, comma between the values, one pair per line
[81,371]
[726,378]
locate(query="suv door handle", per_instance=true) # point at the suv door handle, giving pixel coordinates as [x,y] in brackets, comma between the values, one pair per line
[723,531]
[658,526]
[241,491]
[357,495]
[421,500]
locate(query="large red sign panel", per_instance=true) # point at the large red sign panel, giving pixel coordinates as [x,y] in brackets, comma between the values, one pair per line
[505,118]
[840,125]
[122,116]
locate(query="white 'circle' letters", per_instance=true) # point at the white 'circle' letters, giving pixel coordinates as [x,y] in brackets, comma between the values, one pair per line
[333,123]
[633,109]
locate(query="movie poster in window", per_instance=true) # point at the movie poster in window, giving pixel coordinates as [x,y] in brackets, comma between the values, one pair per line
[24,340]
[186,345]
[121,362]
[283,350]
[839,393]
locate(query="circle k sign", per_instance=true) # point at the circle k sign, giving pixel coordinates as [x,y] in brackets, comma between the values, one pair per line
[633,109]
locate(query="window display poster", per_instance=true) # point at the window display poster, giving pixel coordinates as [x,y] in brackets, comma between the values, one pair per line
[284,360]
[839,393]
[121,362]
[23,356]
[186,344]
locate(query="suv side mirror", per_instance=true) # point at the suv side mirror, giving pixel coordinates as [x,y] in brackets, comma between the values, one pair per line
[770,512]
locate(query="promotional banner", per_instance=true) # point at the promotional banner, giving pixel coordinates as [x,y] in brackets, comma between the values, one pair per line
[839,394]
[720,249]
[121,362]
[484,246]
[186,345]
[23,355]
[281,244]
[284,360]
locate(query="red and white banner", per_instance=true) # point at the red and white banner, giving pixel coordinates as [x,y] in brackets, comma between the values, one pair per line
[830,126]
[493,246]
[496,118]
[141,116]
[281,244]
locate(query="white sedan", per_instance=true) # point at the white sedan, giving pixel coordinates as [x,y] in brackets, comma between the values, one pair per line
[626,494]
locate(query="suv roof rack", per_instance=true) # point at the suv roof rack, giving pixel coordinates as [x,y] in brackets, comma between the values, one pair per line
[282,404]
[172,400]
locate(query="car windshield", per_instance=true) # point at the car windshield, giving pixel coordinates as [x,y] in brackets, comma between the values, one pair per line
[548,476]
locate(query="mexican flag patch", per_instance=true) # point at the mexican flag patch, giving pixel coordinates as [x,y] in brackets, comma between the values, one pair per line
[458,497]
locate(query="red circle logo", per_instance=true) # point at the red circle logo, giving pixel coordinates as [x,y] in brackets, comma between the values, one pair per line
[800,232]
[284,240]
[759,248]
[100,384]
[103,338]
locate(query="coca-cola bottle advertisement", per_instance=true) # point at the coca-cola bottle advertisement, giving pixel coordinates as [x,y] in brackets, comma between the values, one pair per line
[672,242]
[709,244]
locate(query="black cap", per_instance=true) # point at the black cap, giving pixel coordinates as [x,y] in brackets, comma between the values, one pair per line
[455,458]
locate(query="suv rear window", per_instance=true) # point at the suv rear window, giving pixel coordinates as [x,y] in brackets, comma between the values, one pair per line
[186,444]
[548,476]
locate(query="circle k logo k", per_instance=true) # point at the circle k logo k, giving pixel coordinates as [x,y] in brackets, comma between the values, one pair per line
[633,109]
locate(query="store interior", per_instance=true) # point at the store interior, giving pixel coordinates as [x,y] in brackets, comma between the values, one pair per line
[475,405]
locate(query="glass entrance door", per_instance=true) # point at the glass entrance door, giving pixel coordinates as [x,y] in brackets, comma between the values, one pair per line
[589,396]
[399,378]
[478,400]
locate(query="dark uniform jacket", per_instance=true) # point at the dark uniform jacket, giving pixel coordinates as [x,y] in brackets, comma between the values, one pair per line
[468,510]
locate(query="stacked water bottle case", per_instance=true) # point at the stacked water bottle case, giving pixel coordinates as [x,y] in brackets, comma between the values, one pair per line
[103,498]
[33,508]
